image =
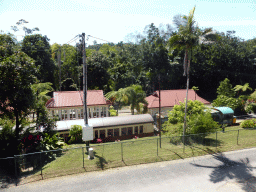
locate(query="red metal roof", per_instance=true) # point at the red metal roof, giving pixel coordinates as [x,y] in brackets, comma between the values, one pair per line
[169,98]
[75,98]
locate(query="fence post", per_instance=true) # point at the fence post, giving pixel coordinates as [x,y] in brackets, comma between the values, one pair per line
[41,165]
[122,151]
[157,146]
[15,167]
[83,156]
[237,137]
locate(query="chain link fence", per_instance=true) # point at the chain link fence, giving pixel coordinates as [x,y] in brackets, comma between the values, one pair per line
[31,167]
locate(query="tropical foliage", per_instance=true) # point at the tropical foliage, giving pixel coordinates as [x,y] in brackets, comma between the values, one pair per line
[76,134]
[199,119]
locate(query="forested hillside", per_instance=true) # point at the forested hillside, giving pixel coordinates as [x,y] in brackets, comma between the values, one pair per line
[148,56]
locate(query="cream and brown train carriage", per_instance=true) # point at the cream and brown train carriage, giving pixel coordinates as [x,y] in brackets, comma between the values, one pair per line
[113,128]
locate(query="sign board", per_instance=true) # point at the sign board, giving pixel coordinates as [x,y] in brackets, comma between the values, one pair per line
[87,133]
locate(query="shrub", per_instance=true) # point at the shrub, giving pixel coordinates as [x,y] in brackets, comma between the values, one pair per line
[249,123]
[202,123]
[199,120]
[112,111]
[76,134]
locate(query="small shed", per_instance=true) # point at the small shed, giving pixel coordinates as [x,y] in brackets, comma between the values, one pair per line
[223,115]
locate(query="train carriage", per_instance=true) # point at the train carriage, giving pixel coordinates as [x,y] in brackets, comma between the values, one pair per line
[113,128]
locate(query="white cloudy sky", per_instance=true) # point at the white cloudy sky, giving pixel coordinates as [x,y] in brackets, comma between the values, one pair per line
[112,20]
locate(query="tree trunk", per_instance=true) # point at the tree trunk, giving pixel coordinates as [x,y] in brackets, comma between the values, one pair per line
[185,117]
[17,133]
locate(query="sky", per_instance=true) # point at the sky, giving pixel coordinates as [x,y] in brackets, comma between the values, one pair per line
[113,20]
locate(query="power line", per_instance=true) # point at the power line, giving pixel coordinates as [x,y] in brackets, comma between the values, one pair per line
[99,39]
[73,39]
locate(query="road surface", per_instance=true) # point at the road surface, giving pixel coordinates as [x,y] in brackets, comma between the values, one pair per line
[231,171]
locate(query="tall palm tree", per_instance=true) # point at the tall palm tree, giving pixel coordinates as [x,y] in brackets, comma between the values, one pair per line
[119,97]
[188,36]
[135,96]
[242,88]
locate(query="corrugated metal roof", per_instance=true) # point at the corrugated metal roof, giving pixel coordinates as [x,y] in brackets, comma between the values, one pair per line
[75,98]
[225,110]
[169,98]
[106,121]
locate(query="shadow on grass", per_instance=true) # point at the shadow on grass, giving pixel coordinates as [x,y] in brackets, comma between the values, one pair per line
[196,140]
[101,162]
[174,153]
[240,171]
[7,177]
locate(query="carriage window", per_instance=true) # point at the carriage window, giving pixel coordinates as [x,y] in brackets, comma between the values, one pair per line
[136,130]
[96,134]
[116,132]
[141,129]
[110,132]
[124,131]
[102,134]
[129,130]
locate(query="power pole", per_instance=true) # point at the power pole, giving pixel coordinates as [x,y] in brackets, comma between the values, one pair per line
[85,87]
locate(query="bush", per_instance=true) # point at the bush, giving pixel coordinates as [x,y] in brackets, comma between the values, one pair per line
[249,123]
[172,129]
[112,111]
[76,134]
[202,123]
[199,120]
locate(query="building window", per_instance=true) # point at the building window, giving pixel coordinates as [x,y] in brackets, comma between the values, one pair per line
[129,130]
[79,113]
[141,129]
[72,114]
[104,111]
[97,112]
[64,114]
[124,131]
[110,132]
[116,132]
[136,130]
[82,113]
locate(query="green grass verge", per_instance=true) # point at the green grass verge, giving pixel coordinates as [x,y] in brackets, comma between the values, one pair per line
[145,150]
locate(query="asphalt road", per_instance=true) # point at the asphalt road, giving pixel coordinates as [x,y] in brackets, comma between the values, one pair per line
[231,171]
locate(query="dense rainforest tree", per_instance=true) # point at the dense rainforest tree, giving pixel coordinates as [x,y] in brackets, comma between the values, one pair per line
[97,71]
[38,48]
[228,57]
[17,73]
[21,24]
[7,45]
[70,63]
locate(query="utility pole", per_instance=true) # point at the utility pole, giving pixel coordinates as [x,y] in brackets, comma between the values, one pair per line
[85,87]
[159,110]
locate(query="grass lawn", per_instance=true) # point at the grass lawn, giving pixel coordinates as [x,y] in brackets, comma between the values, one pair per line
[145,150]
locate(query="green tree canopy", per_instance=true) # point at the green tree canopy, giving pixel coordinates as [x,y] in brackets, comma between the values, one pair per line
[226,88]
[199,119]
[17,73]
[38,48]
